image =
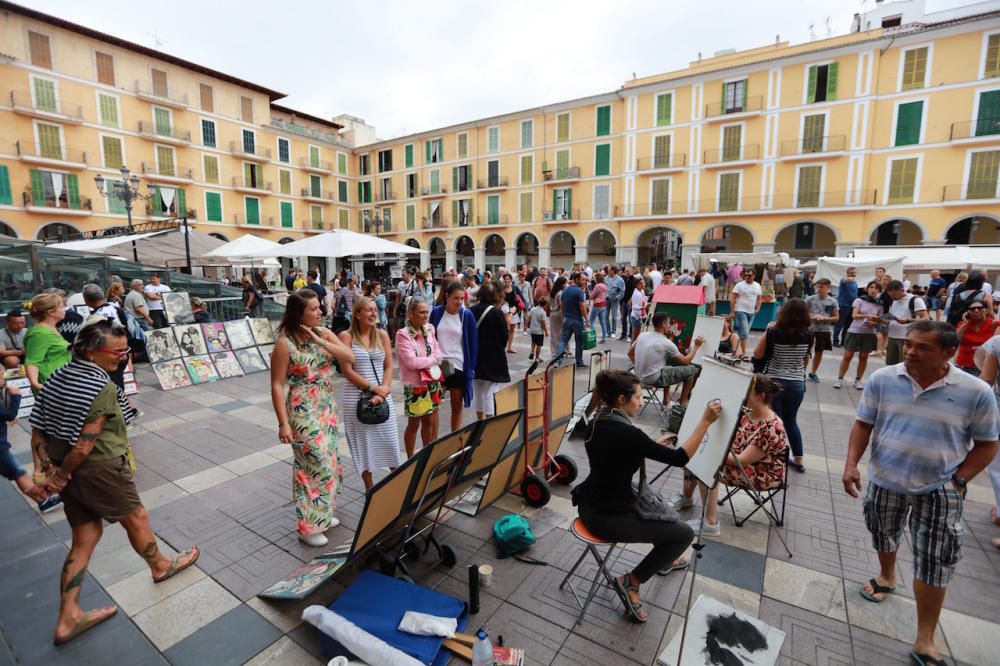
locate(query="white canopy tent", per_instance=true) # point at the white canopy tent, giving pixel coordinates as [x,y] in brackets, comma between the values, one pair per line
[942,257]
[101,244]
[247,250]
[704,260]
[165,247]
[340,243]
[835,268]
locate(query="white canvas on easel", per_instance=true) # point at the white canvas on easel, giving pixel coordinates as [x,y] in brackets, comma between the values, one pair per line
[710,328]
[730,386]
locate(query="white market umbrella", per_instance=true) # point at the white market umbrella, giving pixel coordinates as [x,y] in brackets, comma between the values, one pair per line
[340,243]
[244,248]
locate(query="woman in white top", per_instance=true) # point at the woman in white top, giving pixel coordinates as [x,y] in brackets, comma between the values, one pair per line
[455,329]
[638,310]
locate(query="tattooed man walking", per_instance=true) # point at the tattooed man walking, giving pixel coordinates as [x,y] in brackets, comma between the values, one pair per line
[79,432]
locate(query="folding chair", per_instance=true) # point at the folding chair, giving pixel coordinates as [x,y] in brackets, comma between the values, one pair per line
[652,397]
[591,542]
[761,498]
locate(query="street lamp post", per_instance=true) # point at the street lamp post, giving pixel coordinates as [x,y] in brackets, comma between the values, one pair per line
[127,191]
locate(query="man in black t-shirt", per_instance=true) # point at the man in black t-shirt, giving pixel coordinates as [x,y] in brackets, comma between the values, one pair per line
[290,280]
[626,304]
[320,290]
[253,304]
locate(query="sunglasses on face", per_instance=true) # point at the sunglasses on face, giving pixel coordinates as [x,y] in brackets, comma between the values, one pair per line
[976,307]
[115,352]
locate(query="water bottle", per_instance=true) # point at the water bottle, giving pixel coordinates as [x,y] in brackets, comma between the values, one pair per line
[482,650]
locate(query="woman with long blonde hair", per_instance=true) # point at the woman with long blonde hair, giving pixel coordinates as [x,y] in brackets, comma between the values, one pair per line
[373,446]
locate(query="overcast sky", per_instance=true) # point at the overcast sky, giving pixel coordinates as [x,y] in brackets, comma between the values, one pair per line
[411,66]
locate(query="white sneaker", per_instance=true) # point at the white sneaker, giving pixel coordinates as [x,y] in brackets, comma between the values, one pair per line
[839,383]
[334,522]
[708,530]
[315,540]
[679,501]
[858,385]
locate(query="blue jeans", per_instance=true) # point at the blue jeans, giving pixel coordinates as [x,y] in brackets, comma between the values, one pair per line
[743,321]
[572,327]
[10,469]
[613,312]
[626,308]
[786,406]
[602,314]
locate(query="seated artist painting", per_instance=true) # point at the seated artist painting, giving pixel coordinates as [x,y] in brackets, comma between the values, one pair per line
[650,353]
[616,450]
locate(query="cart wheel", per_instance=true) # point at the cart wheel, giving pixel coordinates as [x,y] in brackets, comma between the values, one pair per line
[448,557]
[535,491]
[564,469]
[386,564]
[411,551]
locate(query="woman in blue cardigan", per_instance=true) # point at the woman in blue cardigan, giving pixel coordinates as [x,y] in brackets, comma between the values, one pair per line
[455,329]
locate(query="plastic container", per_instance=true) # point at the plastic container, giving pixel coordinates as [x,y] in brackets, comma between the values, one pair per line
[482,650]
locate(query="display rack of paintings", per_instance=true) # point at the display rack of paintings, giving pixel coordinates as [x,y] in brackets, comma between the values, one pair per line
[190,339]
[239,333]
[265,351]
[172,374]
[227,365]
[216,337]
[262,332]
[250,360]
[161,345]
[201,369]
[177,305]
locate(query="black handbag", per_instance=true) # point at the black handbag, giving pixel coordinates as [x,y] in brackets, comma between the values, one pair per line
[370,413]
[649,504]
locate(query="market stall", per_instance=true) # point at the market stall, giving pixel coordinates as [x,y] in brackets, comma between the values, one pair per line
[772,270]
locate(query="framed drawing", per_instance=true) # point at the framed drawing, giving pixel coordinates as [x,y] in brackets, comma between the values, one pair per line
[239,334]
[190,340]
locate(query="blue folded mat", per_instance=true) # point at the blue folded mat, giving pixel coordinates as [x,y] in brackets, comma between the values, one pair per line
[377,603]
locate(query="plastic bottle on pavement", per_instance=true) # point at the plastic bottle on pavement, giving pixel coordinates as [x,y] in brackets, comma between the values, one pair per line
[482,650]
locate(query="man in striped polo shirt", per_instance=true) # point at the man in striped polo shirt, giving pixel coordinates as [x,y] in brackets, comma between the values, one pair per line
[932,428]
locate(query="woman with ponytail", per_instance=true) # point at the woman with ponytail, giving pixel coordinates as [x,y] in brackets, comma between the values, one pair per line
[616,449]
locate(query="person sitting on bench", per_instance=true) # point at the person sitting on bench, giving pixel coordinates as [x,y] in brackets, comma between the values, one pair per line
[650,352]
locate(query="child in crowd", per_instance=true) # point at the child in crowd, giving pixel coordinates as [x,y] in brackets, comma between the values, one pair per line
[537,327]
[10,469]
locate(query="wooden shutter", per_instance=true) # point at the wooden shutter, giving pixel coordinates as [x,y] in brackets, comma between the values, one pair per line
[207,98]
[246,109]
[992,66]
[902,179]
[253,210]
[454,179]
[211,168]
[562,164]
[45,95]
[454,213]
[165,161]
[661,197]
[527,206]
[37,187]
[555,207]
[408,155]
[463,145]
[6,194]
[908,117]
[729,191]
[342,190]
[661,152]
[213,207]
[49,141]
[156,201]
[603,120]
[526,169]
[159,82]
[562,127]
[115,204]
[988,117]
[493,209]
[602,159]
[914,68]
[248,174]
[285,181]
[526,131]
[984,169]
[113,158]
[569,203]
[809,186]
[427,146]
[287,219]
[411,217]
[161,121]
[602,201]
[316,215]
[108,110]
[180,201]
[831,81]
[493,139]
[105,68]
[813,128]
[731,142]
[664,109]
[41,54]
[342,163]
[315,185]
[72,191]
[811,90]
[435,181]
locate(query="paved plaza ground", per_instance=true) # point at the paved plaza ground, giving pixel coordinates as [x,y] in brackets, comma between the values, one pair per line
[212,473]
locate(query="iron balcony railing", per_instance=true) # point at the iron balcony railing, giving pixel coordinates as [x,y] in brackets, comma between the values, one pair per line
[149,129]
[60,153]
[661,161]
[749,105]
[779,201]
[745,153]
[23,100]
[971,191]
[987,127]
[814,145]
[492,183]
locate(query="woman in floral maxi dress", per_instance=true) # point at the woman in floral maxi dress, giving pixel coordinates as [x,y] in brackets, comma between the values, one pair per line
[307,415]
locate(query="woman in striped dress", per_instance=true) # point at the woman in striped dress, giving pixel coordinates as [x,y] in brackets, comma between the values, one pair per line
[784,351]
[372,446]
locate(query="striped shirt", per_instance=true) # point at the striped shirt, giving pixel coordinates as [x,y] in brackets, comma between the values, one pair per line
[788,356]
[920,436]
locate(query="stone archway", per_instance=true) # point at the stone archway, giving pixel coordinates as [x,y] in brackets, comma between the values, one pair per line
[806,240]
[897,232]
[438,256]
[465,252]
[727,238]
[974,230]
[54,230]
[495,248]
[562,250]
[7,230]
[659,244]
[527,251]
[601,248]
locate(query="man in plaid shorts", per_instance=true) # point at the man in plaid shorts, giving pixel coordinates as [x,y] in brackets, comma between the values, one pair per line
[932,428]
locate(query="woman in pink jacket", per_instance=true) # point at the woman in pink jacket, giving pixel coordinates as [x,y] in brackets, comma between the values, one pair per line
[419,355]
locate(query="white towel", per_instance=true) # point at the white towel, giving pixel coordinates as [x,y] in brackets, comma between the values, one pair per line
[423,624]
[371,649]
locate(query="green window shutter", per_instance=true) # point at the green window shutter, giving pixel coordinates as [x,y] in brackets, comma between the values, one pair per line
[731,142]
[285,181]
[569,203]
[914,68]
[342,164]
[316,216]
[253,210]
[526,169]
[744,106]
[315,185]
[661,197]
[729,191]
[813,128]
[562,164]
[493,140]
[37,188]
[408,155]
[161,121]
[211,164]
[427,145]
[809,186]
[562,127]
[992,65]
[286,214]
[108,108]
[247,174]
[831,81]
[724,86]
[411,218]
[454,179]
[603,120]
[112,152]
[664,109]
[988,117]
[72,191]
[156,202]
[6,194]
[493,209]
[435,181]
[661,152]
[811,94]
[554,193]
[342,191]
[180,198]
[902,180]
[984,169]
[527,206]
[115,204]
[45,95]
[602,159]
[213,207]
[313,156]
[463,145]
[908,117]
[165,160]
[454,213]
[361,192]
[49,141]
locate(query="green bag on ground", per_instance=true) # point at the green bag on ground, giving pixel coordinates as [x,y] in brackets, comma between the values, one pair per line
[589,338]
[513,534]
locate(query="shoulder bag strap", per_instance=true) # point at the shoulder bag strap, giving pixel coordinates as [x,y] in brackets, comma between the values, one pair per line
[483,316]
[377,380]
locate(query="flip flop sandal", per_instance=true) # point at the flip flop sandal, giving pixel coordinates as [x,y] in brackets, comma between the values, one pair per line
[174,569]
[623,588]
[926,660]
[85,623]
[876,589]
[679,565]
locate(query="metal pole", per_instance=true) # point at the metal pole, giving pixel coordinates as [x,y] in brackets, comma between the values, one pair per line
[128,210]
[187,245]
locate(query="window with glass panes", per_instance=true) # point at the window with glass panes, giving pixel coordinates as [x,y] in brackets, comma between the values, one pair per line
[732,139]
[493,140]
[908,120]
[411,185]
[161,121]
[902,180]
[527,133]
[661,151]
[213,206]
[50,143]
[252,175]
[53,189]
[562,203]
[988,114]
[284,181]
[249,142]
[493,209]
[914,68]
[493,173]
[435,151]
[384,160]
[286,213]
[805,236]
[602,202]
[107,108]
[210,164]
[461,178]
[461,212]
[386,185]
[45,94]
[822,83]
[603,120]
[984,168]
[527,206]
[527,168]
[208,138]
[114,156]
[729,191]
[664,109]
[660,192]
[602,159]
[810,181]
[734,96]
[342,191]
[316,216]
[364,165]
[284,150]
[386,219]
[167,201]
[165,161]
[813,128]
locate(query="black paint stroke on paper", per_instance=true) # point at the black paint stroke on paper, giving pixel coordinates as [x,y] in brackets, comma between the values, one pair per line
[731,631]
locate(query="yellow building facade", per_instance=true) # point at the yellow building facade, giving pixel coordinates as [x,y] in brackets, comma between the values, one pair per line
[888,135]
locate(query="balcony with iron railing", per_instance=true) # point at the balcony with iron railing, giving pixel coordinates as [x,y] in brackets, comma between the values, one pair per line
[264,221]
[432,193]
[565,215]
[145,90]
[491,220]
[498,183]
[317,166]
[385,196]
[316,225]
[440,222]
[251,153]
[167,173]
[756,204]
[810,148]
[562,175]
[254,187]
[49,205]
[308,132]
[719,111]
[161,134]
[971,192]
[23,103]
[982,130]
[317,195]
[715,158]
[661,163]
[51,155]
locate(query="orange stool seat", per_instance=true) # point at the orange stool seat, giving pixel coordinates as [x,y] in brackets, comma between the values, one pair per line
[581,532]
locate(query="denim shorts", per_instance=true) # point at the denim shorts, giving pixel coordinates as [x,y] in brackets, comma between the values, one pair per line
[10,469]
[742,320]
